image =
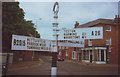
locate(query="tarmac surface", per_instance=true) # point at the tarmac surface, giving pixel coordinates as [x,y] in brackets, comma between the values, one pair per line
[43,67]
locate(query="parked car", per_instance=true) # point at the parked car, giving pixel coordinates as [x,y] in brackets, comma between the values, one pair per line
[60,58]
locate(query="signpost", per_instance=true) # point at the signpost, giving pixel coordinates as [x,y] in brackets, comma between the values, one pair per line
[67,37]
[55,35]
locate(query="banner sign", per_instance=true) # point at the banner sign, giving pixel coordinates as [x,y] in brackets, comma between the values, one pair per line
[32,44]
[38,44]
[81,33]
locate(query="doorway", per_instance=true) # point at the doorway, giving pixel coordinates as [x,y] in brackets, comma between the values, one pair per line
[79,57]
[102,55]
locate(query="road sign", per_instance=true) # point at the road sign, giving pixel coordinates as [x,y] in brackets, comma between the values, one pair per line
[38,44]
[71,43]
[81,33]
[31,43]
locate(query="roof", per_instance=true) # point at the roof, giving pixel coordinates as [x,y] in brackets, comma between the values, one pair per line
[96,22]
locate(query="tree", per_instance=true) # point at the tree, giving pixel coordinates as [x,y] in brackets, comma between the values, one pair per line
[13,22]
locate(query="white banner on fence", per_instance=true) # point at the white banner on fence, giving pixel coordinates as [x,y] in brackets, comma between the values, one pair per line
[81,33]
[31,43]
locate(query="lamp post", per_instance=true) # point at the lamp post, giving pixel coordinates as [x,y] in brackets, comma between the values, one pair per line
[35,37]
[36,25]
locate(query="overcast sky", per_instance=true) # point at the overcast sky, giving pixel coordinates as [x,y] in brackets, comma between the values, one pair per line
[69,12]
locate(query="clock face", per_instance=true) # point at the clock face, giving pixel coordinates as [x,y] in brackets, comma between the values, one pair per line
[56,8]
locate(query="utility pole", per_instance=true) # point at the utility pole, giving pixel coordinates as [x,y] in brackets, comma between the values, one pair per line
[55,35]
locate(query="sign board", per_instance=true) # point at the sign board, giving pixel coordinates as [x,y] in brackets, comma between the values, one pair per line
[71,43]
[38,44]
[81,33]
[32,44]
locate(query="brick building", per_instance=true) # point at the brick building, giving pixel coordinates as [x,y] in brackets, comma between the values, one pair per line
[100,51]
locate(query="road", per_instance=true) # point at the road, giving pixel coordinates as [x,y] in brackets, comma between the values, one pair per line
[65,68]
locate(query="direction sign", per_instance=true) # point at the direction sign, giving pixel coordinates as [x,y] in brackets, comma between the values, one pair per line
[38,44]
[31,43]
[81,33]
[71,43]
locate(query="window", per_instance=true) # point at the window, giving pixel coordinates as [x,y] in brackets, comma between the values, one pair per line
[108,41]
[65,47]
[109,49]
[59,53]
[66,53]
[108,28]
[84,54]
[76,49]
[73,55]
[62,47]
[87,55]
[90,42]
[59,47]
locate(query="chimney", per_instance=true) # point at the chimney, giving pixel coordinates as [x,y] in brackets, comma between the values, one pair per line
[116,18]
[76,24]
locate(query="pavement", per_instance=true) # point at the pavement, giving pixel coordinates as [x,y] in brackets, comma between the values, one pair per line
[41,67]
[93,64]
